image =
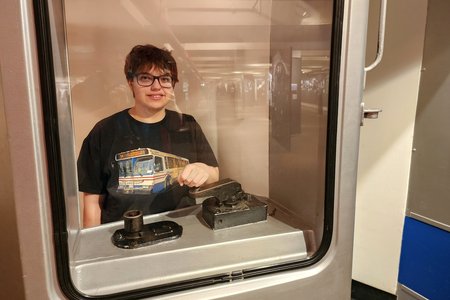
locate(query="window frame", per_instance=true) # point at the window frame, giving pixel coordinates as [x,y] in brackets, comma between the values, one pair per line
[55,169]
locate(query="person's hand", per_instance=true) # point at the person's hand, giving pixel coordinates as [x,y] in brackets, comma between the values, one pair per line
[195,174]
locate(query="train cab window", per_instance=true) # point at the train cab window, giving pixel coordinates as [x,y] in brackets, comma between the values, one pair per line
[256,77]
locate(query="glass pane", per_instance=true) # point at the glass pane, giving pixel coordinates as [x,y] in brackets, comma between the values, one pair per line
[254,74]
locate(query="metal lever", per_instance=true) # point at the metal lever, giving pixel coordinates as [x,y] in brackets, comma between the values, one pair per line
[135,234]
[371,113]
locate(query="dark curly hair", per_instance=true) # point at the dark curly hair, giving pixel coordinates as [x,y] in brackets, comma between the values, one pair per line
[147,56]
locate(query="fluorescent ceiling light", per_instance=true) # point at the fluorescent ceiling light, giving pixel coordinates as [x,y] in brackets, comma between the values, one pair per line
[225,46]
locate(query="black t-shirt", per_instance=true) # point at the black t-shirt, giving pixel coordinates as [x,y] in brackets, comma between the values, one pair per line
[101,170]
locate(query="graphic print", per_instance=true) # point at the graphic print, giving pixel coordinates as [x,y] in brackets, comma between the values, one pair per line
[145,170]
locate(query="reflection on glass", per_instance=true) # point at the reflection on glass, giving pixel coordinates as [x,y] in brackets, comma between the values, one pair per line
[254,74]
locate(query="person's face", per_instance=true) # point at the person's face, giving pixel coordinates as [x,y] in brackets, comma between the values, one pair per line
[155,97]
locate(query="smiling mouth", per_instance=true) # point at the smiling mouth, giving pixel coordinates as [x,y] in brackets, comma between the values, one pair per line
[156,96]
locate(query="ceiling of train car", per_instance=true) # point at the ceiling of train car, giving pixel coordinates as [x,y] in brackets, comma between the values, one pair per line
[213,37]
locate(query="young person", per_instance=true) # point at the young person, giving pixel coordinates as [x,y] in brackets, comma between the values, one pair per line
[113,152]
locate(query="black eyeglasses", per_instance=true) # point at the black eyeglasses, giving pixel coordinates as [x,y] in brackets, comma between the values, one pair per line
[145,79]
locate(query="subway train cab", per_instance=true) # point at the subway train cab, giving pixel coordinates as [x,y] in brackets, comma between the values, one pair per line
[275,89]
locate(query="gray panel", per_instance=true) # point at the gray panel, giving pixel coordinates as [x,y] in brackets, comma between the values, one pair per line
[429,191]
[199,252]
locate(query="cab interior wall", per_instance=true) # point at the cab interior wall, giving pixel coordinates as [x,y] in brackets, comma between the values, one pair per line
[219,45]
[226,53]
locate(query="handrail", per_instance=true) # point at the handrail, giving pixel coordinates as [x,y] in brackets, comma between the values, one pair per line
[381,31]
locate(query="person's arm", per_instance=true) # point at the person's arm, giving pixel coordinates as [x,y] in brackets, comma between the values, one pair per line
[91,210]
[198,174]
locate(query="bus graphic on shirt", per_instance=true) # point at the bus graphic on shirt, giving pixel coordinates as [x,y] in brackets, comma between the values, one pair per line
[146,170]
